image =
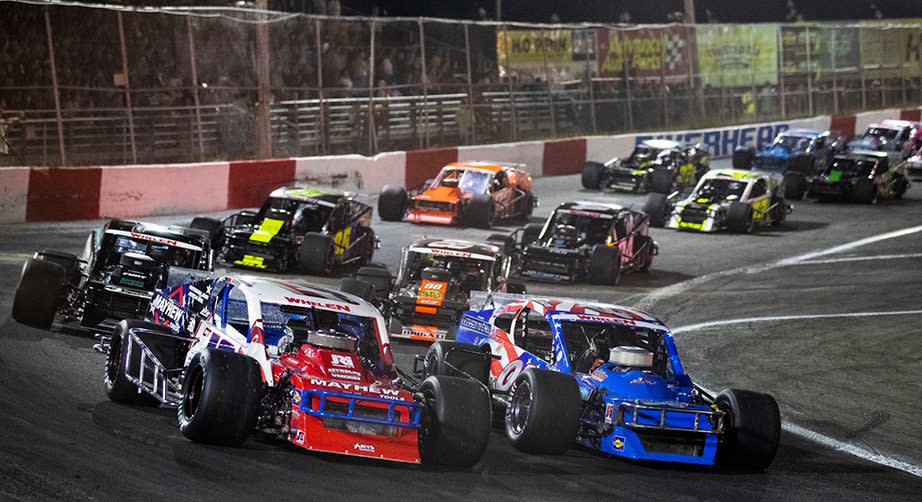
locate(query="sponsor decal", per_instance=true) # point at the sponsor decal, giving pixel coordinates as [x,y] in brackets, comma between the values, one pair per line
[345,374]
[153,238]
[251,261]
[416,330]
[364,447]
[312,303]
[618,443]
[167,308]
[609,319]
[353,387]
[448,252]
[599,375]
[474,324]
[722,142]
[299,437]
[296,399]
[342,361]
[608,413]
[642,380]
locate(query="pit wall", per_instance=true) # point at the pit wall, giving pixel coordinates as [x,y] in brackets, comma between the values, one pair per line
[30,194]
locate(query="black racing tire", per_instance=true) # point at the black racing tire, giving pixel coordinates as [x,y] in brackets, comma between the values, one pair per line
[543,412]
[605,265]
[69,261]
[358,287]
[220,396]
[392,203]
[368,253]
[902,185]
[643,244]
[753,430]
[864,191]
[795,186]
[743,157]
[39,293]
[593,173]
[528,207]
[504,242]
[315,256]
[779,213]
[516,287]
[118,361]
[660,181]
[657,208]
[480,211]
[455,427]
[468,358]
[215,229]
[531,232]
[380,279]
[740,218]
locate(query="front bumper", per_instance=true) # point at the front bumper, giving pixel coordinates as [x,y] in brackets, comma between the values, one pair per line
[693,219]
[247,254]
[552,265]
[626,179]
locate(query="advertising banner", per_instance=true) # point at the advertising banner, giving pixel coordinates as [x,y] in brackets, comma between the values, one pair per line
[530,52]
[644,53]
[818,50]
[737,55]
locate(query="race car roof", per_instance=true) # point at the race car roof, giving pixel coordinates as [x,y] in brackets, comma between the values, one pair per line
[862,154]
[591,207]
[896,124]
[183,237]
[303,294]
[567,309]
[803,133]
[661,144]
[322,196]
[454,247]
[485,166]
[737,174]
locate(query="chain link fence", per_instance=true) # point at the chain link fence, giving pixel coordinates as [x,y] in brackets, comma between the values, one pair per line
[93,85]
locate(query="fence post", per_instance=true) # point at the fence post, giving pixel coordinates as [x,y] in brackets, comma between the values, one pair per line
[425,81]
[625,62]
[547,84]
[54,85]
[781,83]
[835,71]
[372,130]
[195,86]
[662,79]
[809,72]
[880,68]
[264,95]
[121,38]
[595,52]
[321,104]
[470,84]
[515,126]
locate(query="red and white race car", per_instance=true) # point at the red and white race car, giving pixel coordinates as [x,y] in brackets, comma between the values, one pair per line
[295,361]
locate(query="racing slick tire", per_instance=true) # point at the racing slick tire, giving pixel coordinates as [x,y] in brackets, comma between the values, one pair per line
[779,213]
[528,207]
[643,244]
[740,218]
[462,356]
[379,277]
[69,261]
[41,289]
[480,211]
[605,265]
[118,387]
[864,191]
[456,426]
[593,172]
[743,157]
[795,186]
[751,439]
[543,411]
[315,256]
[660,181]
[392,203]
[656,206]
[504,242]
[220,396]
[358,287]
[531,232]
[215,229]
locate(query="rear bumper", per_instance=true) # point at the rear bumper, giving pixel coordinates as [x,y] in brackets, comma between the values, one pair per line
[626,179]
[257,257]
[117,303]
[821,187]
[415,215]
[542,264]
[439,323]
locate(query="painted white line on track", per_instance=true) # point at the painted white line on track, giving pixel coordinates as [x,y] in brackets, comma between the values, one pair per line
[748,320]
[860,258]
[849,246]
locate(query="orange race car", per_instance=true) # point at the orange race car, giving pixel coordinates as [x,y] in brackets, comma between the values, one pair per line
[470,193]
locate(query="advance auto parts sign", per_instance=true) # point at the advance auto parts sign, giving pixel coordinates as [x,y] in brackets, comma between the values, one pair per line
[737,55]
[644,53]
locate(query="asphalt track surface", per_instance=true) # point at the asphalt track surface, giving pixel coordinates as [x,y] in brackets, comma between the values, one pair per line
[826,322]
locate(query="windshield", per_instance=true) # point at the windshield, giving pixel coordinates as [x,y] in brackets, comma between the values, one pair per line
[642,153]
[161,253]
[720,188]
[468,180]
[569,227]
[470,273]
[793,143]
[880,133]
[305,214]
[589,342]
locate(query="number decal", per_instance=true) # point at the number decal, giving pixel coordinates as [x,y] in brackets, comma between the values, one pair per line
[507,377]
[341,239]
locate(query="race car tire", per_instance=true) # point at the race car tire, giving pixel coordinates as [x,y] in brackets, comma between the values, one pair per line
[779,213]
[864,191]
[480,211]
[660,181]
[754,430]
[795,186]
[369,252]
[219,399]
[40,291]
[656,206]
[394,325]
[358,287]
[456,426]
[392,203]
[451,358]
[901,186]
[543,412]
[531,232]
[516,287]
[739,218]
[743,157]
[118,388]
[69,261]
[379,277]
[315,256]
[215,229]
[593,172]
[504,242]
[605,265]
[644,243]
[528,207]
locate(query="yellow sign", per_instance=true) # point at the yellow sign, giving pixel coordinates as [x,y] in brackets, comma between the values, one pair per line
[532,46]
[738,55]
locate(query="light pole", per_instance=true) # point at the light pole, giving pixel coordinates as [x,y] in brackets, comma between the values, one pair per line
[689,11]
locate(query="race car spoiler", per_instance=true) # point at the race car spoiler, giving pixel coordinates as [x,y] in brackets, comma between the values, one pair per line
[480,300]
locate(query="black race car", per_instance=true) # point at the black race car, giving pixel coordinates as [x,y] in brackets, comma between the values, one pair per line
[308,229]
[860,176]
[122,264]
[586,241]
[656,165]
[432,287]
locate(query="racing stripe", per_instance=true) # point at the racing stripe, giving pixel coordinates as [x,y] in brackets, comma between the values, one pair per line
[267,230]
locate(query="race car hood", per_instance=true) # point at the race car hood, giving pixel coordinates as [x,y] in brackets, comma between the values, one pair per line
[327,364]
[442,194]
[775,152]
[630,384]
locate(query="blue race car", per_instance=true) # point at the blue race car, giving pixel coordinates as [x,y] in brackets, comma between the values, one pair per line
[606,377]
[796,154]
